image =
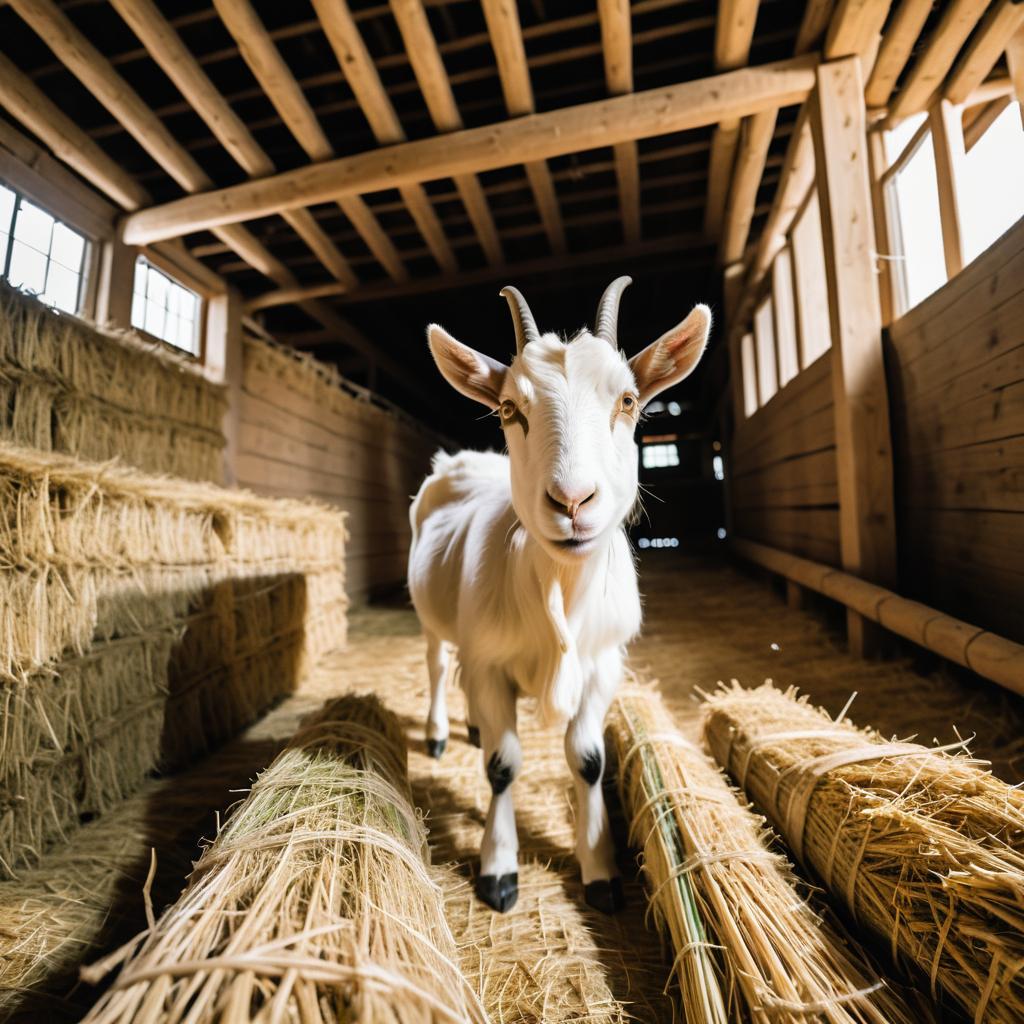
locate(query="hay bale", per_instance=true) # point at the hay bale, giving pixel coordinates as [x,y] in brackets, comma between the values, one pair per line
[67,386]
[749,945]
[924,847]
[314,902]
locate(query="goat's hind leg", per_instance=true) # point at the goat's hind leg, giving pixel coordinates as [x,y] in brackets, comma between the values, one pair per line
[438,657]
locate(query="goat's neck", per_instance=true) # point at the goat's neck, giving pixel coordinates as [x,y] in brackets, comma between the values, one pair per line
[572,578]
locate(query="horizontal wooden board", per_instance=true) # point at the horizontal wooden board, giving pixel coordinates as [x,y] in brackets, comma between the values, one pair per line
[971,536]
[816,433]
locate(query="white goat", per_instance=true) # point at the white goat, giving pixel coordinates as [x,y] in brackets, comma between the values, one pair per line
[521,562]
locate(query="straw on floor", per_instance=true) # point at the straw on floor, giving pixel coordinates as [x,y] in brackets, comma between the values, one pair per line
[67,386]
[923,847]
[315,901]
[749,946]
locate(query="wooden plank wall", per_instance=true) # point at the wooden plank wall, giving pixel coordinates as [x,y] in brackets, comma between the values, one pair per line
[784,489]
[302,435]
[956,376]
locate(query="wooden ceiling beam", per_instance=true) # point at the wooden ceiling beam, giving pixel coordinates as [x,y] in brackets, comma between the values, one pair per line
[756,136]
[999,26]
[931,67]
[639,115]
[164,45]
[813,26]
[617,45]
[506,34]
[734,33]
[427,65]
[364,80]
[279,84]
[854,27]
[893,54]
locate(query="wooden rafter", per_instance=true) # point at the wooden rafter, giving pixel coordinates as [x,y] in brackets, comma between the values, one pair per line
[897,44]
[364,80]
[97,74]
[854,27]
[538,137]
[989,43]
[278,82]
[978,120]
[930,69]
[814,25]
[166,48]
[617,43]
[423,52]
[507,40]
[756,136]
[734,32]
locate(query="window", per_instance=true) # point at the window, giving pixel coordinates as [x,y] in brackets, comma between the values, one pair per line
[165,309]
[659,456]
[764,335]
[41,254]
[785,322]
[810,284]
[989,183]
[749,371]
[912,199]
[718,467]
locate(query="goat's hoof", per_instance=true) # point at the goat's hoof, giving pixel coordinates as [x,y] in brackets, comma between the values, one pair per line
[473,735]
[499,892]
[605,895]
[435,748]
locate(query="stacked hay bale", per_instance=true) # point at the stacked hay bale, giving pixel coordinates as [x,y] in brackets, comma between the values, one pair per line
[315,902]
[66,386]
[143,620]
[923,847]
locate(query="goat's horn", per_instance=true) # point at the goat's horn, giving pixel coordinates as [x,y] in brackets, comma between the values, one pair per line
[526,326]
[607,325]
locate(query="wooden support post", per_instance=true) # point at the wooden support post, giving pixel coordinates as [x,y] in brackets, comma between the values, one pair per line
[884,264]
[1015,65]
[863,439]
[794,595]
[117,278]
[948,143]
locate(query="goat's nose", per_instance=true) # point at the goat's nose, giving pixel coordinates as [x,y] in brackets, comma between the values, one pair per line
[570,500]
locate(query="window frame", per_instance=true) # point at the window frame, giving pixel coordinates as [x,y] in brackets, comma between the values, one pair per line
[179,277]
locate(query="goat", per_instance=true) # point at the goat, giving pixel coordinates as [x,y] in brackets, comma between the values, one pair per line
[521,562]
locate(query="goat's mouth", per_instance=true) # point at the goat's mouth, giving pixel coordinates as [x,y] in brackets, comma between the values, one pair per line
[575,545]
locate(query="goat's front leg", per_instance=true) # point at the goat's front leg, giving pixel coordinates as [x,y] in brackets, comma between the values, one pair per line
[584,750]
[438,657]
[494,706]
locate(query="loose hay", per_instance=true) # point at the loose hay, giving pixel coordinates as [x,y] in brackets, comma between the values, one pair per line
[924,847]
[314,902]
[749,945]
[67,386]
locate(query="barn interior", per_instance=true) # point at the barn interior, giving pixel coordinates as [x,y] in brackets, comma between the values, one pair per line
[224,228]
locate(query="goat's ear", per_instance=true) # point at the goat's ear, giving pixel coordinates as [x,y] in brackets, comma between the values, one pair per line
[673,356]
[471,373]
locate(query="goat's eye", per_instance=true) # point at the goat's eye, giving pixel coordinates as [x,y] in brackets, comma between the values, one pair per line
[507,410]
[629,404]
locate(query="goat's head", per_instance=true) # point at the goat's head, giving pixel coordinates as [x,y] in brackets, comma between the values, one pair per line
[569,412]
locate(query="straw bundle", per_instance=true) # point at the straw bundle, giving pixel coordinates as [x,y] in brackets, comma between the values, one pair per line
[924,847]
[67,386]
[315,902]
[750,948]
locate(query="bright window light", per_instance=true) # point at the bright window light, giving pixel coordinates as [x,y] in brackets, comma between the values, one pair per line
[165,309]
[785,321]
[749,369]
[657,542]
[989,185]
[913,195]
[721,533]
[659,456]
[718,465]
[40,254]
[811,286]
[764,334]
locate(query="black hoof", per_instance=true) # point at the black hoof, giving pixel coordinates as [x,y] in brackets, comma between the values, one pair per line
[605,895]
[435,748]
[473,735]
[499,892]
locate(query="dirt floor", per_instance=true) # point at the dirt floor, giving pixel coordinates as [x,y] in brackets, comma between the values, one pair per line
[550,959]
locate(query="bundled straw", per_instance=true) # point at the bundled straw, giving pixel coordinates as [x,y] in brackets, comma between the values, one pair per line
[924,847]
[749,948]
[315,902]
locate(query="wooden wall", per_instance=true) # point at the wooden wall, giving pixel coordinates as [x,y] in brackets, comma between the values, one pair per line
[956,379]
[301,434]
[784,469]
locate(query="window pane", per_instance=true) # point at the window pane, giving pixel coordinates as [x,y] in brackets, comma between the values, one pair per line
[764,333]
[785,324]
[989,185]
[7,201]
[164,308]
[154,318]
[897,139]
[61,288]
[138,310]
[156,287]
[659,456]
[139,287]
[922,264]
[68,247]
[811,285]
[28,268]
[749,370]
[33,227]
